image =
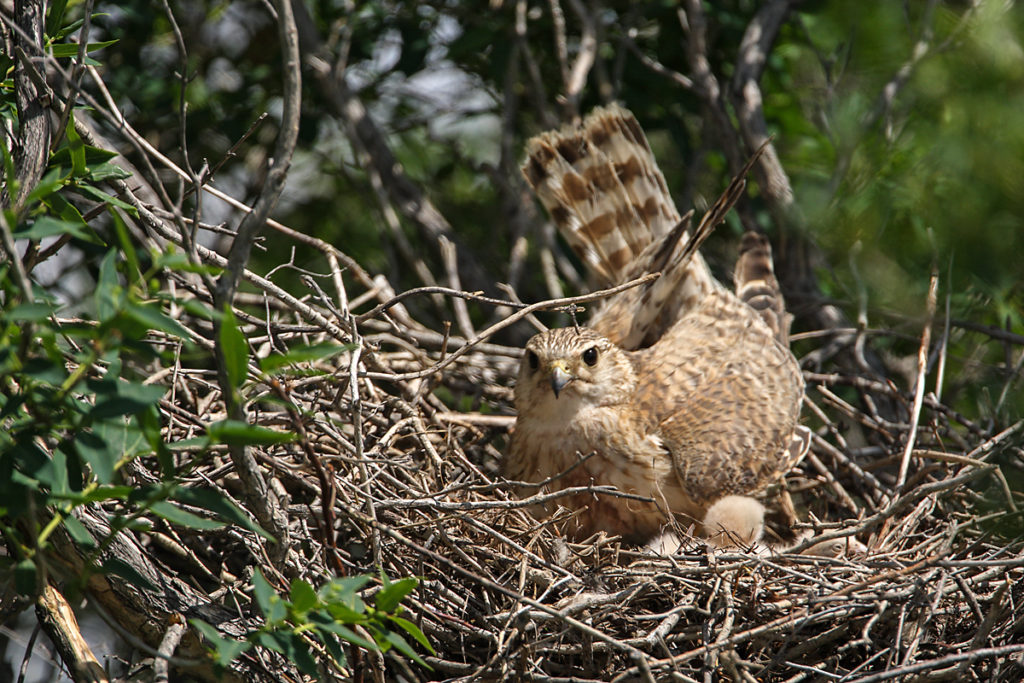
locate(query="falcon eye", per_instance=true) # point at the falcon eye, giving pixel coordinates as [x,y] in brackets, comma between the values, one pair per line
[533,360]
[590,356]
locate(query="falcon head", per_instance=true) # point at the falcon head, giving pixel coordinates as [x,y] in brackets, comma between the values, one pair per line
[572,367]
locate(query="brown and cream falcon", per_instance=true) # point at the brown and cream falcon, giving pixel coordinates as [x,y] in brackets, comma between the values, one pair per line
[680,392]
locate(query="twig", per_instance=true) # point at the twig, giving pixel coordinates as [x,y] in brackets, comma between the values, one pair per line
[172,637]
[919,387]
[512,319]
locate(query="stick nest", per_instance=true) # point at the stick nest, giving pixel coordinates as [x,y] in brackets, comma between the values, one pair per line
[397,466]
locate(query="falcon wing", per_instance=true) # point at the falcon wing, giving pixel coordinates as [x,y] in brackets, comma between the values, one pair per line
[724,397]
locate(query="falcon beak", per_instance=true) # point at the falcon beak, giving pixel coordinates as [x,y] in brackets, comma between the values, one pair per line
[560,376]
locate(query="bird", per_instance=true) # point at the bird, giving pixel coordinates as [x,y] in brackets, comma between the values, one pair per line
[681,398]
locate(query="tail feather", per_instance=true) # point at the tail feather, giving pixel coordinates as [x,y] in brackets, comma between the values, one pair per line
[605,192]
[757,286]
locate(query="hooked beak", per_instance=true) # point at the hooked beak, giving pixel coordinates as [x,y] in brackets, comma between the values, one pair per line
[560,376]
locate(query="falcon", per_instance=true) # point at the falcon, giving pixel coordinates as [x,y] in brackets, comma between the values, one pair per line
[681,395]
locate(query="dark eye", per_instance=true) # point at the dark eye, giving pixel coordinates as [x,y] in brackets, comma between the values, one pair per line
[531,357]
[590,356]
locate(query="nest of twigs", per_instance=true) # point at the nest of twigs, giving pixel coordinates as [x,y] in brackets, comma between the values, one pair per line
[396,469]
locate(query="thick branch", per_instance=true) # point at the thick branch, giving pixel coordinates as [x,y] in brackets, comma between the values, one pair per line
[757,43]
[265,505]
[58,620]
[34,124]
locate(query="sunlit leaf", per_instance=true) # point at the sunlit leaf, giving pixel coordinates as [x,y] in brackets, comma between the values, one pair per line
[71,49]
[303,354]
[240,433]
[389,597]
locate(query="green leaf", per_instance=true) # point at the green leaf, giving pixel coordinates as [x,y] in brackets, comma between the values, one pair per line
[344,592]
[226,650]
[273,641]
[76,148]
[234,349]
[54,473]
[389,597]
[50,183]
[326,623]
[120,397]
[174,514]
[31,313]
[198,308]
[303,596]
[127,247]
[101,196]
[94,156]
[107,171]
[79,534]
[177,260]
[400,644]
[25,577]
[220,506]
[54,16]
[101,457]
[298,652]
[238,433]
[45,371]
[334,649]
[345,614]
[152,317]
[303,354]
[107,288]
[413,630]
[118,567]
[267,599]
[100,494]
[45,226]
[66,211]
[71,49]
[28,460]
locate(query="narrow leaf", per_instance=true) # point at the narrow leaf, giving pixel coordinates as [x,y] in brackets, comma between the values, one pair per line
[151,316]
[71,49]
[303,354]
[173,513]
[326,623]
[101,196]
[226,650]
[400,644]
[107,288]
[269,602]
[234,349]
[220,506]
[30,313]
[413,630]
[76,148]
[79,534]
[118,567]
[45,226]
[242,434]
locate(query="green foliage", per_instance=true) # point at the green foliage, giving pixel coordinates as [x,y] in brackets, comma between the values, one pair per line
[77,404]
[323,620]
